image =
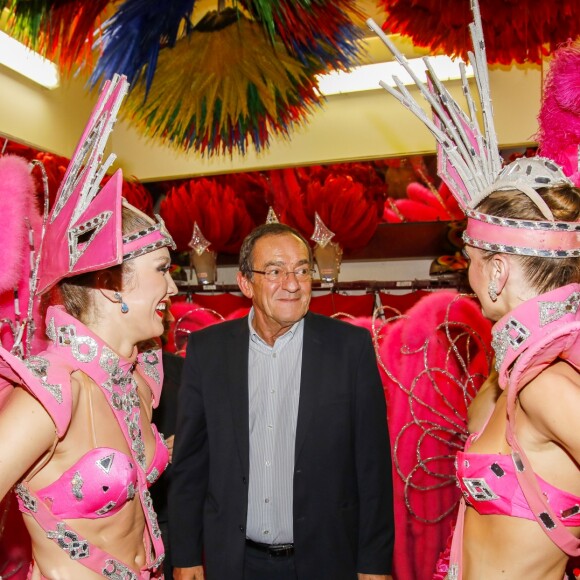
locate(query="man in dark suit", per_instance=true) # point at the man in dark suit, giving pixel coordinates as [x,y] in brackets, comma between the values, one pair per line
[165,419]
[281,466]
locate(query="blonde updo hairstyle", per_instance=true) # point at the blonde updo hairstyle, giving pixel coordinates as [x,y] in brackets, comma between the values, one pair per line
[543,274]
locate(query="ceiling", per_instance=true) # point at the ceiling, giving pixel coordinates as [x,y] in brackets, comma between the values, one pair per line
[348,127]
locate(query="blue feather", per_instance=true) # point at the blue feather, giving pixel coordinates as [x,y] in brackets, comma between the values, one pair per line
[133,36]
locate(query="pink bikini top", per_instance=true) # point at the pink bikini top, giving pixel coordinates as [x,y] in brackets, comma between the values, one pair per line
[490,485]
[99,484]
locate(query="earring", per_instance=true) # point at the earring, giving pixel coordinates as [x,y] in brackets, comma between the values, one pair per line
[124,308]
[492,290]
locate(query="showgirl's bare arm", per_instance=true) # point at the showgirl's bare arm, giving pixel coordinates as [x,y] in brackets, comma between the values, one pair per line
[26,433]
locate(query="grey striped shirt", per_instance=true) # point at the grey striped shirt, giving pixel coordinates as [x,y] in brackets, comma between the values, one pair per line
[274,391]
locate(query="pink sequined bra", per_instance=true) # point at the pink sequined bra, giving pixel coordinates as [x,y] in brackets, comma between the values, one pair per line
[99,484]
[489,484]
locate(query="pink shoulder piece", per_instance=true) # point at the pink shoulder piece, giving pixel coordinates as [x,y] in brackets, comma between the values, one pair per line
[53,393]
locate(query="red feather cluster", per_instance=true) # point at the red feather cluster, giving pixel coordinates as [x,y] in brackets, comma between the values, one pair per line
[342,203]
[423,204]
[514,30]
[220,213]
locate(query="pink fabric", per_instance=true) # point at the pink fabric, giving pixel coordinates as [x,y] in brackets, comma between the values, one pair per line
[108,479]
[521,237]
[427,410]
[480,475]
[104,491]
[552,322]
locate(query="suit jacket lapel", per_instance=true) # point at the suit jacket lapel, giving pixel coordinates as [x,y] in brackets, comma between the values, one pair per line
[309,384]
[237,359]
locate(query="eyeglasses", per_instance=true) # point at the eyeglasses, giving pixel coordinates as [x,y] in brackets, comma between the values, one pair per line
[278,275]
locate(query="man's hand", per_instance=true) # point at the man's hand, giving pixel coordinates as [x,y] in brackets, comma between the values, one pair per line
[374,577]
[194,573]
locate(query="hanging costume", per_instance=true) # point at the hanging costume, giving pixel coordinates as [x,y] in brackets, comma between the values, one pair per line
[537,332]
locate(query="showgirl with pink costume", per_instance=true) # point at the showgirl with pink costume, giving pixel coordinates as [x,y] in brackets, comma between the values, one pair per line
[78,446]
[519,475]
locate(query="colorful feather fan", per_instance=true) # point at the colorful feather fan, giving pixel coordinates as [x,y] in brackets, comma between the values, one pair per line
[559,118]
[134,35]
[61,30]
[321,34]
[218,211]
[221,87]
[516,30]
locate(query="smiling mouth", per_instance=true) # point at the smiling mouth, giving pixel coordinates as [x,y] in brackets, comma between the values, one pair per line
[161,309]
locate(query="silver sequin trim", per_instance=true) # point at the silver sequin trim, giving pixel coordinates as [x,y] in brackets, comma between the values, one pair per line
[51,330]
[105,463]
[153,476]
[552,311]
[77,486]
[118,571]
[106,508]
[38,366]
[148,503]
[150,359]
[520,251]
[513,335]
[69,541]
[478,489]
[90,228]
[28,500]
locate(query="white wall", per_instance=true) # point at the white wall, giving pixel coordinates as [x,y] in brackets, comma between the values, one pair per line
[367,125]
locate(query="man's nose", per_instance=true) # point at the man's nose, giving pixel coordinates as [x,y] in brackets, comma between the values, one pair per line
[290,282]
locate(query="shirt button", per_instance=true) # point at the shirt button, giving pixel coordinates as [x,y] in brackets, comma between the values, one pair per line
[267,500]
[273,390]
[270,426]
[274,355]
[268,464]
[266,532]
[242,529]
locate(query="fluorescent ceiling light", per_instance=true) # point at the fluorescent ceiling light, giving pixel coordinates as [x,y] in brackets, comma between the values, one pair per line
[17,57]
[367,77]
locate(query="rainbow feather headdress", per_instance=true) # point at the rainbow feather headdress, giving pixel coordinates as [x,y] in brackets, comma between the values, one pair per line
[470,164]
[83,232]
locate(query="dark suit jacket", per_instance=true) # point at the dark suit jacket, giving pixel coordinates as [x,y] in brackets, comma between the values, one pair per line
[343,516]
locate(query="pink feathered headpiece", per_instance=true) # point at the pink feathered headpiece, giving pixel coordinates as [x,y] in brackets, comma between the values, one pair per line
[84,233]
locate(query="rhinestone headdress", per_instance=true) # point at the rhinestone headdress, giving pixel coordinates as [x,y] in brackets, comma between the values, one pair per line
[83,232]
[470,164]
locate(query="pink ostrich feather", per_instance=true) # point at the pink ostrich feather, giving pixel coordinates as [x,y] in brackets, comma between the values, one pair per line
[559,117]
[16,203]
[19,211]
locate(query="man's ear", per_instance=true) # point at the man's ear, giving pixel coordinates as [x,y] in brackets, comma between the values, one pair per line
[245,286]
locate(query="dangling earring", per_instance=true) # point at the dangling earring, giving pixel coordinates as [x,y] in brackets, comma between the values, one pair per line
[492,290]
[124,308]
